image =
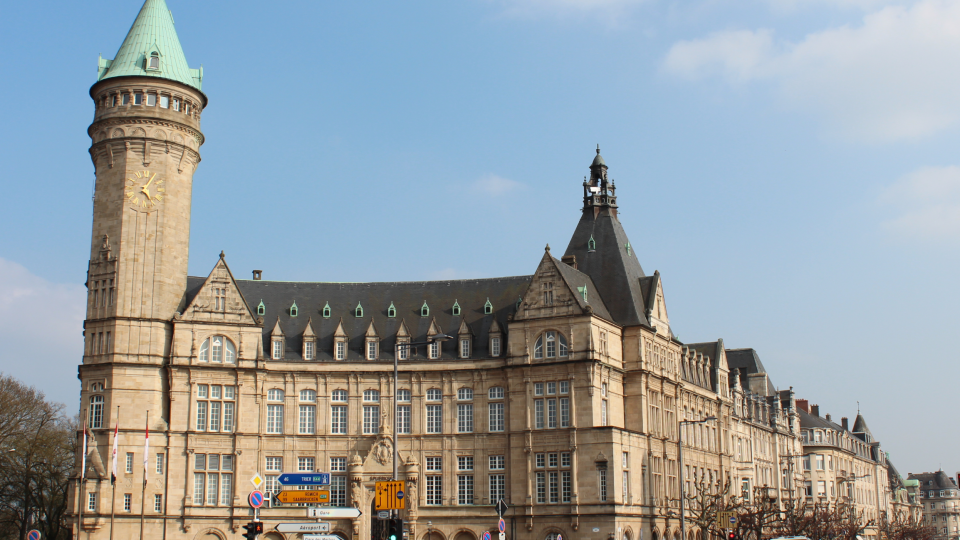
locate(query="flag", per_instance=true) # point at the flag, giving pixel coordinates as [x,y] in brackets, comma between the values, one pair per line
[113,472]
[146,449]
[83,457]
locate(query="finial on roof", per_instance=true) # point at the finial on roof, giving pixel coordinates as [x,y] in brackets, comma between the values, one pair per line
[221,254]
[598,149]
[547,248]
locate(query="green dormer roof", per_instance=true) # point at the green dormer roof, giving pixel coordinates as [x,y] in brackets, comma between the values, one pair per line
[152,33]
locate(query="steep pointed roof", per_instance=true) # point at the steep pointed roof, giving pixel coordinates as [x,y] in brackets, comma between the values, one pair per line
[860,426]
[152,31]
[604,253]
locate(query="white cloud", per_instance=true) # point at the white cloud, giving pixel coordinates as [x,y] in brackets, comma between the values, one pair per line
[893,77]
[494,185]
[925,205]
[40,326]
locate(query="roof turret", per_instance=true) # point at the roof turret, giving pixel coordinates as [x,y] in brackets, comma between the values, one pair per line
[151,49]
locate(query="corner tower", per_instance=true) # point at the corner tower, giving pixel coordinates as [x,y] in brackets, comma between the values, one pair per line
[145,147]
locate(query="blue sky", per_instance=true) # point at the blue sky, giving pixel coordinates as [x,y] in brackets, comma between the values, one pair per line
[789,166]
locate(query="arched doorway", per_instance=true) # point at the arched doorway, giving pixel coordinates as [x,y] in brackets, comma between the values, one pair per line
[464,535]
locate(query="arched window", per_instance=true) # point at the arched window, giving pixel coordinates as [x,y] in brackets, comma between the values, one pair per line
[465,394]
[308,395]
[371,395]
[433,394]
[218,349]
[550,345]
[339,396]
[154,61]
[552,536]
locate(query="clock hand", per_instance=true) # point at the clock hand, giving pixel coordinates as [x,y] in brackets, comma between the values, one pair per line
[145,191]
[151,181]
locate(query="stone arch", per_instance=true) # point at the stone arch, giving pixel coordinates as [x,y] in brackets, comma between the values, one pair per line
[433,534]
[138,132]
[464,534]
[273,535]
[550,533]
[211,534]
[654,534]
[159,134]
[344,535]
[627,533]
[676,534]
[177,138]
[118,133]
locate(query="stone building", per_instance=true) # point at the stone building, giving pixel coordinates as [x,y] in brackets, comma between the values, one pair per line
[844,465]
[562,392]
[940,497]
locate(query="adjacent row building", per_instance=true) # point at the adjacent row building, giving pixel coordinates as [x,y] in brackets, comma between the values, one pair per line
[564,392]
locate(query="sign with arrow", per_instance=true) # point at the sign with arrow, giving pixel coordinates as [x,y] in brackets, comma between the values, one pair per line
[335,512]
[304,479]
[308,496]
[303,527]
[501,507]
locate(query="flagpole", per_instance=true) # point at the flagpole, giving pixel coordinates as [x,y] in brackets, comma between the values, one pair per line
[143,492]
[83,472]
[113,474]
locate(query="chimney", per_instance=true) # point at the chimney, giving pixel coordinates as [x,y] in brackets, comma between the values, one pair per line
[815,410]
[803,405]
[844,423]
[257,275]
[828,418]
[569,260]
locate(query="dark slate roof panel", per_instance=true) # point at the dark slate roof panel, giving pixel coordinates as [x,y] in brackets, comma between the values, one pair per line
[616,272]
[576,278]
[375,298]
[939,479]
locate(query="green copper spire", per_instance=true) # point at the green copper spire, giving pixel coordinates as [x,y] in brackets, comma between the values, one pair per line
[151,49]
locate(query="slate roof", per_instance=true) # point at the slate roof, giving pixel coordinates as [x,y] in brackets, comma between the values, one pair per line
[936,480]
[152,30]
[375,299]
[613,266]
[747,362]
[860,426]
[810,421]
[893,475]
[576,279]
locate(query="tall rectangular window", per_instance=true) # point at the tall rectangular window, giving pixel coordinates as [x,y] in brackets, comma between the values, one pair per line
[602,474]
[341,350]
[465,417]
[308,350]
[496,416]
[308,419]
[274,418]
[551,413]
[371,419]
[465,489]
[128,465]
[338,419]
[498,488]
[434,419]
[338,490]
[128,502]
[541,487]
[538,413]
[434,490]
[158,503]
[371,350]
[464,348]
[495,346]
[160,457]
[403,419]
[554,486]
[228,415]
[96,412]
[566,486]
[564,412]
[199,487]
[214,416]
[603,412]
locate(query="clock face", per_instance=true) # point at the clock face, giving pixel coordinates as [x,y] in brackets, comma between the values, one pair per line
[144,190]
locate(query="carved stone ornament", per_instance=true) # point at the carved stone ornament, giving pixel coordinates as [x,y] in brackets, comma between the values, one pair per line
[383,450]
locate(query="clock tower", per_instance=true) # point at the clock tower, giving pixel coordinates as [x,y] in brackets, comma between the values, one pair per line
[145,148]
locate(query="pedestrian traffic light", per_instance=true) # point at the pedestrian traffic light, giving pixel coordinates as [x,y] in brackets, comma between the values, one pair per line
[253,529]
[732,536]
[395,530]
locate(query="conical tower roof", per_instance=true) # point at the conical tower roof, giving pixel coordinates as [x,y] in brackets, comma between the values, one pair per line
[152,32]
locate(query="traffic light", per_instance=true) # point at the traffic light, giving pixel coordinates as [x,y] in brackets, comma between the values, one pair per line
[732,536]
[253,529]
[395,529]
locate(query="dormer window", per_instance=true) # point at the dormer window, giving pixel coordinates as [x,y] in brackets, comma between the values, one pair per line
[326,311]
[153,63]
[591,244]
[294,309]
[488,308]
[456,308]
[358,311]
[277,348]
[424,309]
[261,309]
[391,311]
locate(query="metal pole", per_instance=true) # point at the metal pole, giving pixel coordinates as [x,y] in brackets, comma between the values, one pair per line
[683,491]
[396,427]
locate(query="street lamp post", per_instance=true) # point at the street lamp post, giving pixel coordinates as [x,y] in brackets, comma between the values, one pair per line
[683,491]
[396,356]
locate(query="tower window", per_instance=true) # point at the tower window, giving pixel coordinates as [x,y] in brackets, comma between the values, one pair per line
[138,99]
[456,308]
[261,309]
[126,99]
[165,102]
[151,100]
[154,61]
[326,311]
[176,104]
[591,244]
[391,311]
[424,309]
[113,101]
[488,307]
[359,311]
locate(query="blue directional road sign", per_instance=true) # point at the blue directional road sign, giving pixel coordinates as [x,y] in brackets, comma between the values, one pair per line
[304,479]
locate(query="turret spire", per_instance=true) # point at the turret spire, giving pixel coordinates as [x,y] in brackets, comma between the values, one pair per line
[151,49]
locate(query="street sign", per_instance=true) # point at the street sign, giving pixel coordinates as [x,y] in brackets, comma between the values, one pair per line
[383,514]
[501,525]
[501,507]
[726,517]
[33,535]
[335,512]
[486,535]
[257,480]
[304,479]
[321,537]
[303,527]
[256,499]
[307,496]
[389,496]
[503,536]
